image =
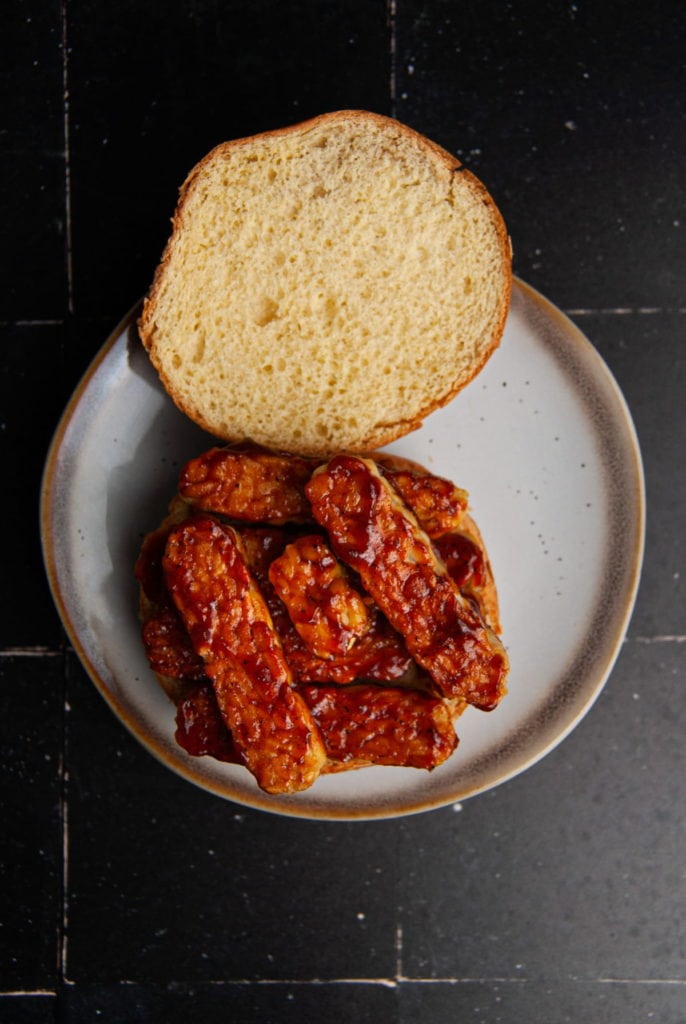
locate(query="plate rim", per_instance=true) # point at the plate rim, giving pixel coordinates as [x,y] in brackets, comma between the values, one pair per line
[264,802]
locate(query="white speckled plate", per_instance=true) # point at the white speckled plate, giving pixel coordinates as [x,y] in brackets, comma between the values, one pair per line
[543,442]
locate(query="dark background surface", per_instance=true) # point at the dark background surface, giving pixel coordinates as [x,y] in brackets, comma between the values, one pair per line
[125,893]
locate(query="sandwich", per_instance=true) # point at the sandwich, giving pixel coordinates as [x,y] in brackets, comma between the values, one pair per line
[312,604]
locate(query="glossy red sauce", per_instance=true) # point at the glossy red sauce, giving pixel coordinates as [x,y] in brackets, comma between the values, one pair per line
[200,728]
[462,557]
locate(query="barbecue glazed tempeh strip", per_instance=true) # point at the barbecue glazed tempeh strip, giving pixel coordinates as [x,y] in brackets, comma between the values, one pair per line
[464,556]
[380,654]
[168,648]
[367,724]
[248,484]
[374,533]
[200,728]
[230,627]
[327,611]
[437,503]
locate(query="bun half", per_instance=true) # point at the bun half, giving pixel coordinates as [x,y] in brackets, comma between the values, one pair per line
[326,286]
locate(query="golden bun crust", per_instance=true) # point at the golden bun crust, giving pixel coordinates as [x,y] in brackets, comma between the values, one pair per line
[327,285]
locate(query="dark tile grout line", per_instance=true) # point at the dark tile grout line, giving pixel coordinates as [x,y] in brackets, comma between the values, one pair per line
[627,311]
[30,993]
[181,988]
[391,18]
[34,651]
[58,322]
[67,156]
[61,931]
[574,311]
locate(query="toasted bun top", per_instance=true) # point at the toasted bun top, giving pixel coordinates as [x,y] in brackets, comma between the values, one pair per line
[327,285]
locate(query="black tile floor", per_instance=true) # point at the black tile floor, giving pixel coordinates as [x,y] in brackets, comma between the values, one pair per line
[125,893]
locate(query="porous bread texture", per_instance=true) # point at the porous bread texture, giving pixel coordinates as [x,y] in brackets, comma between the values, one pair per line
[327,285]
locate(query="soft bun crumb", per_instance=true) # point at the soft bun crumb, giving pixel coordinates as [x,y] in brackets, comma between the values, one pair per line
[327,285]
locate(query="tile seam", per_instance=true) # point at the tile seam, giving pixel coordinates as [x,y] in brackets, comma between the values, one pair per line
[626,311]
[392,13]
[67,156]
[667,638]
[32,993]
[390,982]
[57,322]
[62,920]
[581,312]
[31,651]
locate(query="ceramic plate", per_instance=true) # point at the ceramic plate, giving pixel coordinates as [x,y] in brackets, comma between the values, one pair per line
[543,442]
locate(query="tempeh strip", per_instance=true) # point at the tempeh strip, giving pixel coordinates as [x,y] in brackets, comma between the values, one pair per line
[323,605]
[367,724]
[249,484]
[464,556]
[230,627]
[168,648]
[200,728]
[372,530]
[438,504]
[380,654]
